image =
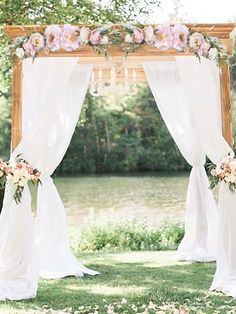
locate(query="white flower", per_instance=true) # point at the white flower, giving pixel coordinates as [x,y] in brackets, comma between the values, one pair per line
[218,169]
[22,182]
[213,53]
[16,178]
[110,309]
[231,178]
[149,34]
[232,165]
[196,40]
[104,40]
[84,35]
[151,305]
[128,38]
[134,307]
[20,53]
[213,172]
[1,173]
[37,40]
[123,301]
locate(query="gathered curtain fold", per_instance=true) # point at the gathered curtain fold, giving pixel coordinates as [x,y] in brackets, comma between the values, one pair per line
[53,93]
[60,98]
[164,80]
[202,88]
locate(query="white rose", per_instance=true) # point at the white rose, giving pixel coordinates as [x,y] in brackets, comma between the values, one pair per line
[22,182]
[16,178]
[84,34]
[20,53]
[128,38]
[37,40]
[149,34]
[104,40]
[196,40]
[231,178]
[1,174]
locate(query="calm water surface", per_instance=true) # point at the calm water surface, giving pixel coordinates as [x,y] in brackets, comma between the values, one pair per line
[141,197]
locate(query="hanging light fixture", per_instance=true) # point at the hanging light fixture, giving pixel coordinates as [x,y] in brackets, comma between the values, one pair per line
[101,87]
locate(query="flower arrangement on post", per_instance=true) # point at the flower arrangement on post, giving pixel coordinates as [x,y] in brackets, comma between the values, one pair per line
[18,173]
[224,171]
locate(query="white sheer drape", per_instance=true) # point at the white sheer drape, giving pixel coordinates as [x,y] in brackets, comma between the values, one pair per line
[201,80]
[60,96]
[53,93]
[199,240]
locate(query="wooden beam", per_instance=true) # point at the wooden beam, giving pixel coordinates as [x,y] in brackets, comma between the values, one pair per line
[226,107]
[16,131]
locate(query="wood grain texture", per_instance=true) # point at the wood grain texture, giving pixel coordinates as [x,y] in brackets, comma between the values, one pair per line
[16,130]
[226,106]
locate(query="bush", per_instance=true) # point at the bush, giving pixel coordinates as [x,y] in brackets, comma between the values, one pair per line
[127,237]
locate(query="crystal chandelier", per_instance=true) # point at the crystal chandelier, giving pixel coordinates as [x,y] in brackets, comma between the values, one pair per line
[101,87]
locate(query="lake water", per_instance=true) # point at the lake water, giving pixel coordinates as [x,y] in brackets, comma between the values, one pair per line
[142,197]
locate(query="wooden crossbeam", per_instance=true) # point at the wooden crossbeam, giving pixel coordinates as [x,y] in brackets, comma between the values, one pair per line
[145,53]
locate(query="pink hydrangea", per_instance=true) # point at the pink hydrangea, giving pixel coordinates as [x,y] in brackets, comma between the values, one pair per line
[163,38]
[180,37]
[70,37]
[53,37]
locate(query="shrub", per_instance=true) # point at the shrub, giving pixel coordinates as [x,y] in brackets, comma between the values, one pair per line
[127,237]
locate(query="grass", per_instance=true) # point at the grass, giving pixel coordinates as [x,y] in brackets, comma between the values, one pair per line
[137,276]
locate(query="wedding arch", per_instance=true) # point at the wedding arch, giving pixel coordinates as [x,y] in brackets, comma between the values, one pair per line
[193,97]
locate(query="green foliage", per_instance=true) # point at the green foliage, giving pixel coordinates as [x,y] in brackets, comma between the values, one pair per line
[139,277]
[128,237]
[126,134]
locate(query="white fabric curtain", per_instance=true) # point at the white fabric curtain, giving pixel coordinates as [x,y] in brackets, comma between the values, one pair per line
[53,93]
[164,80]
[201,84]
[60,87]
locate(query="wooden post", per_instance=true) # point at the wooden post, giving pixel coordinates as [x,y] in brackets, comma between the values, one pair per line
[226,107]
[16,130]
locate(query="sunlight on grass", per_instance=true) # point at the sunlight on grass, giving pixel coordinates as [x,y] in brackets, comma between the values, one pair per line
[138,276]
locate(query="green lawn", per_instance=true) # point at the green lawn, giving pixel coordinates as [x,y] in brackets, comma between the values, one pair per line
[139,277]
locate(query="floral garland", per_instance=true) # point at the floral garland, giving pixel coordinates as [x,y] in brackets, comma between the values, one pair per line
[224,171]
[18,173]
[128,37]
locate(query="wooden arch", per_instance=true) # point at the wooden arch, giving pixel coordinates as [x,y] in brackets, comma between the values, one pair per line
[145,53]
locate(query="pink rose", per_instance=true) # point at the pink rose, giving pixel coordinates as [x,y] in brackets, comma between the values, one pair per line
[8,170]
[204,49]
[70,37]
[95,37]
[53,37]
[37,40]
[163,38]
[29,49]
[196,40]
[180,36]
[138,35]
